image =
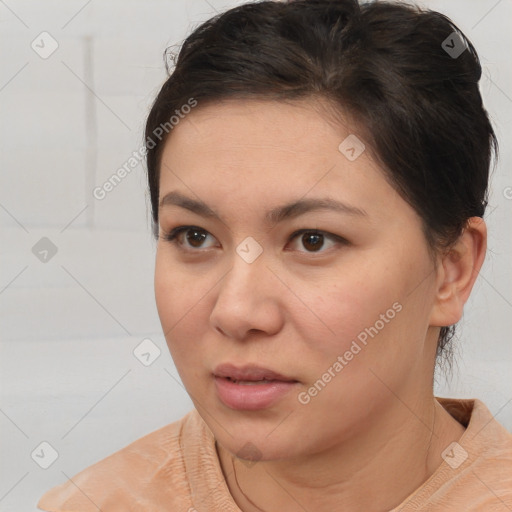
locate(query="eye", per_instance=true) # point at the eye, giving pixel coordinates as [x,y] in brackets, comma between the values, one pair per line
[188,237]
[314,240]
[192,239]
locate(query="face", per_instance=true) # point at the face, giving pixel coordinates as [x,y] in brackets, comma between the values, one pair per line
[279,253]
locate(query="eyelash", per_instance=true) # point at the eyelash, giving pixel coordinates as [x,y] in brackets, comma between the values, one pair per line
[172,236]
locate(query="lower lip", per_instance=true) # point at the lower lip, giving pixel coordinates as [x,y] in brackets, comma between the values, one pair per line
[251,397]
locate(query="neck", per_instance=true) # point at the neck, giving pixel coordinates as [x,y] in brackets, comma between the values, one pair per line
[392,458]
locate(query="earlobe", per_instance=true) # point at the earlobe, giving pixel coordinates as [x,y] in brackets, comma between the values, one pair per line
[458,270]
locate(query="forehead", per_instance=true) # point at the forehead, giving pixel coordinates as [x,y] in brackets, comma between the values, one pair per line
[297,125]
[264,139]
[270,152]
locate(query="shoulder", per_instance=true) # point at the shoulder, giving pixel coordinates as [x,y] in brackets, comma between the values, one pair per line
[488,453]
[477,470]
[149,471]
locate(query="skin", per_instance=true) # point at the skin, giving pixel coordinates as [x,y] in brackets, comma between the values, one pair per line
[297,307]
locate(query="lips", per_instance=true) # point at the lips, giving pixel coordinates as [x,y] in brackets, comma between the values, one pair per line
[251,388]
[249,374]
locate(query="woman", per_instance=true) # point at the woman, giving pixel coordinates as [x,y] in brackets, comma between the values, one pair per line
[318,176]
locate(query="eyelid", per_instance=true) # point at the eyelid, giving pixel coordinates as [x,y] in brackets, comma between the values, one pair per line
[172,235]
[328,235]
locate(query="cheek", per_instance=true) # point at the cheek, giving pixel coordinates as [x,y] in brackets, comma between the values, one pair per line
[349,306]
[367,318]
[365,323]
[181,304]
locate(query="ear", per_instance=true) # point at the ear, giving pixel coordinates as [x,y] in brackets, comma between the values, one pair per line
[457,273]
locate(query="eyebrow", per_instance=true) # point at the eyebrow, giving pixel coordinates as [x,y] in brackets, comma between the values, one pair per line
[274,216]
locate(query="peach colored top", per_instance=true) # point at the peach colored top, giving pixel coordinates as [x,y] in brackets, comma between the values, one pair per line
[176,468]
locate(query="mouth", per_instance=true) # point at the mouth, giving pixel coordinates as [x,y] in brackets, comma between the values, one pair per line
[250,382]
[251,387]
[249,374]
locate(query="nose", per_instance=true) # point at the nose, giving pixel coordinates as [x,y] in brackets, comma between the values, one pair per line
[249,300]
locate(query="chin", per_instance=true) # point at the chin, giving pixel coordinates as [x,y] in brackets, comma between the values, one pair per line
[250,441]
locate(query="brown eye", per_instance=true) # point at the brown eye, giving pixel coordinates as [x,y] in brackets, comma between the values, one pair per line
[313,241]
[189,238]
[195,237]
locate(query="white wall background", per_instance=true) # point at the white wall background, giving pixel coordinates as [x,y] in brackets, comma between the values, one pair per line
[69,325]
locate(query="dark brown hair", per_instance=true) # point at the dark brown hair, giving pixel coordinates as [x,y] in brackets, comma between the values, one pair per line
[386,65]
